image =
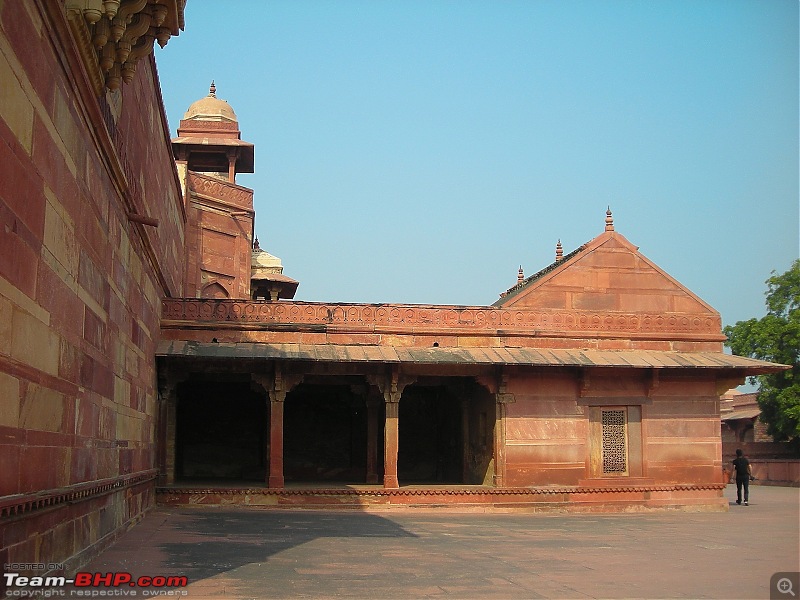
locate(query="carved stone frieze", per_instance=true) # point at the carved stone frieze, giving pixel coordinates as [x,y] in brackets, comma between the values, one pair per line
[112,35]
[425,318]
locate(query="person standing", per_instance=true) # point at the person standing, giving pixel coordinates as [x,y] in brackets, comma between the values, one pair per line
[743,473]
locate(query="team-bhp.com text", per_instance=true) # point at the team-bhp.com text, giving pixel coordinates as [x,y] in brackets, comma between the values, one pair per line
[93,585]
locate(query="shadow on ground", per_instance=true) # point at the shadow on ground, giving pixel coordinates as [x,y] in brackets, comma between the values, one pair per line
[222,541]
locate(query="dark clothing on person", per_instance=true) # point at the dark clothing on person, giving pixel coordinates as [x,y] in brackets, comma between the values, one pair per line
[742,467]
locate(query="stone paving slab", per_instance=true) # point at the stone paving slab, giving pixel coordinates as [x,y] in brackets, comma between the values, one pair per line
[406,553]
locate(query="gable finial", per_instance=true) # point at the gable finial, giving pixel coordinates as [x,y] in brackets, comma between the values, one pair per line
[609,220]
[520,275]
[559,252]
[212,90]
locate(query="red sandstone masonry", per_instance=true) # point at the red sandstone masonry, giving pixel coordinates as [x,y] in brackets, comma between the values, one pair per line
[80,288]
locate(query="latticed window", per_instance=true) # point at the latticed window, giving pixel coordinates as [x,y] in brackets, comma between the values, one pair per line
[614,442]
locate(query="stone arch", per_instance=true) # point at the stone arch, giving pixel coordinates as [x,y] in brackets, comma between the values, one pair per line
[215,290]
[327,431]
[446,432]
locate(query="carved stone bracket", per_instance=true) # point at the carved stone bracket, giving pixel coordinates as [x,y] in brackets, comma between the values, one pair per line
[392,384]
[584,383]
[278,384]
[727,383]
[653,383]
[112,35]
[503,396]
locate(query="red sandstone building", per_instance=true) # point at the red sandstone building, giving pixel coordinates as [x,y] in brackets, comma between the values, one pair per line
[147,349]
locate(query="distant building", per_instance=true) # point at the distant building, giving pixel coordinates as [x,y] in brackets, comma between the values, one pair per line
[147,349]
[739,414]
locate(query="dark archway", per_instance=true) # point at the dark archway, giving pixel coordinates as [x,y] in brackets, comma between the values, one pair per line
[430,446]
[325,434]
[221,431]
[445,433]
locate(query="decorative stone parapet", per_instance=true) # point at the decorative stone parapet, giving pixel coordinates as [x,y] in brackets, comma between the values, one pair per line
[420,318]
[236,195]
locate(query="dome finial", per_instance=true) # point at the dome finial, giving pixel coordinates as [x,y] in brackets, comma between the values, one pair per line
[212,90]
[520,275]
[256,245]
[609,220]
[559,252]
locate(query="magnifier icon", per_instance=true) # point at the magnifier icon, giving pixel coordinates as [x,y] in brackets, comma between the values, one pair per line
[784,586]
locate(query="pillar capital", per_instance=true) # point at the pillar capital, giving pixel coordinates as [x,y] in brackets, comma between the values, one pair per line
[391,384]
[276,384]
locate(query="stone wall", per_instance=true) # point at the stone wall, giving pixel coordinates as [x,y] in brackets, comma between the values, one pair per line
[672,437]
[80,290]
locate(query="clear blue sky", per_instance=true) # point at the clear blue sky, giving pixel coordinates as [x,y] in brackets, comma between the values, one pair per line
[420,151]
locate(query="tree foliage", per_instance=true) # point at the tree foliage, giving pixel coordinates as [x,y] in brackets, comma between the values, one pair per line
[776,338]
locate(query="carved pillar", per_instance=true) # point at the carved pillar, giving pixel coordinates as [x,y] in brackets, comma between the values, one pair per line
[276,387]
[391,440]
[372,439]
[502,399]
[392,387]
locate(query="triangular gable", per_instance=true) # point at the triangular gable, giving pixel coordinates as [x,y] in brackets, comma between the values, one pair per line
[607,274]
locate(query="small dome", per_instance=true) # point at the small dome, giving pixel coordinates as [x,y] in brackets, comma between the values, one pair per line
[210,108]
[265,260]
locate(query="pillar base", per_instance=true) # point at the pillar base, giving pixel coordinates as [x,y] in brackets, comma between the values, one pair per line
[275,482]
[390,483]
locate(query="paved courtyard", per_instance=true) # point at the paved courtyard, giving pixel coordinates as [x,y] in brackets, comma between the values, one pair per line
[408,553]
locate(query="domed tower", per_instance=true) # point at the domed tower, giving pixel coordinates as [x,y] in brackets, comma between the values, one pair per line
[209,140]
[209,153]
[267,280]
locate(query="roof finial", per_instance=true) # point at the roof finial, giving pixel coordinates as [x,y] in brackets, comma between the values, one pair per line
[609,220]
[559,252]
[520,275]
[256,246]
[212,90]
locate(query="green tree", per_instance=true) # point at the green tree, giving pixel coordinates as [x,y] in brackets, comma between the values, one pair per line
[776,338]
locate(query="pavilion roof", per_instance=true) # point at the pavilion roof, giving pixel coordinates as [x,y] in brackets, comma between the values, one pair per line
[642,359]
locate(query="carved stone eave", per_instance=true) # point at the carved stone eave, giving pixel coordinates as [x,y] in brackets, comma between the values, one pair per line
[88,54]
[112,36]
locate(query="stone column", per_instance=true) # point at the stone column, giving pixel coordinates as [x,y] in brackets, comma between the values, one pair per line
[391,439]
[465,447]
[372,439]
[275,468]
[232,155]
[391,384]
[276,386]
[167,428]
[501,402]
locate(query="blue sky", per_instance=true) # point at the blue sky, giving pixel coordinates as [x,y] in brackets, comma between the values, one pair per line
[421,151]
